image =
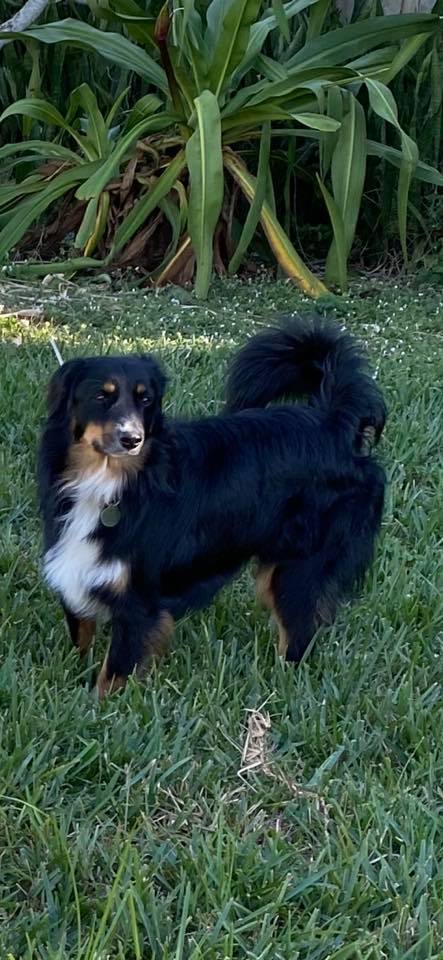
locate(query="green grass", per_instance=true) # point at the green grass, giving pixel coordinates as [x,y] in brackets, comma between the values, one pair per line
[125,829]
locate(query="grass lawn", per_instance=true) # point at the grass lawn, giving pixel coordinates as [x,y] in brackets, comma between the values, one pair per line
[126,830]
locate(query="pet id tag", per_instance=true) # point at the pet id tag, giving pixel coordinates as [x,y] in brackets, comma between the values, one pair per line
[110,515]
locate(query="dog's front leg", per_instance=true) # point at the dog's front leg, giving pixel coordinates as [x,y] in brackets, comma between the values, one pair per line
[81,631]
[140,630]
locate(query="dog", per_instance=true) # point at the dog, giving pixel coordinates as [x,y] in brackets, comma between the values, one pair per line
[146,518]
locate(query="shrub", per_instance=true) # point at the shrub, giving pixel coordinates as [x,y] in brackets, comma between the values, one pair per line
[213,92]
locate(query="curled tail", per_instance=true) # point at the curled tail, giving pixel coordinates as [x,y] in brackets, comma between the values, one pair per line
[309,357]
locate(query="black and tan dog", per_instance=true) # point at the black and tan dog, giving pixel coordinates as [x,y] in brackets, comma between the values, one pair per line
[146,518]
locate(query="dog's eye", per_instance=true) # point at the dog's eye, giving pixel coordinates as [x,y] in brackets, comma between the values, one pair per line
[101,396]
[146,399]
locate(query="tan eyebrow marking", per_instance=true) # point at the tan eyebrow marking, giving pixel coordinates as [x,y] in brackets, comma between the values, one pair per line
[109,387]
[140,388]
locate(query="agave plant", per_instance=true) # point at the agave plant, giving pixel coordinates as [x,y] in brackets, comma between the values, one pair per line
[215,90]
[57,180]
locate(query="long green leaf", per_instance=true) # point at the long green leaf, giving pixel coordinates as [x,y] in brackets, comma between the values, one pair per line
[110,166]
[41,269]
[338,228]
[383,103]
[115,108]
[138,25]
[37,109]
[260,30]
[87,225]
[280,16]
[381,57]
[407,51]
[317,121]
[13,192]
[291,8]
[100,224]
[316,20]
[286,255]
[335,111]
[205,163]
[215,14]
[42,148]
[348,176]
[187,25]
[281,90]
[173,216]
[349,166]
[144,207]
[198,62]
[422,171]
[270,193]
[355,39]
[31,209]
[143,108]
[184,78]
[247,120]
[182,197]
[270,68]
[46,113]
[84,98]
[232,40]
[254,213]
[404,183]
[112,46]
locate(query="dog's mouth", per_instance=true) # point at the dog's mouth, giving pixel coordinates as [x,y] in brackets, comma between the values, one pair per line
[124,439]
[119,447]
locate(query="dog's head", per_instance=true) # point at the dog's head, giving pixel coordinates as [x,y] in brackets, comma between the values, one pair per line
[111,405]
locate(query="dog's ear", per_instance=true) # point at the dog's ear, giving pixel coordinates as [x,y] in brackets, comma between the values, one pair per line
[61,388]
[157,377]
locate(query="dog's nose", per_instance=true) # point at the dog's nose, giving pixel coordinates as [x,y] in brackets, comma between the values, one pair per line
[130,440]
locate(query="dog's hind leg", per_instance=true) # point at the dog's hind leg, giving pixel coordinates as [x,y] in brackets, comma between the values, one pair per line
[283,589]
[265,593]
[304,592]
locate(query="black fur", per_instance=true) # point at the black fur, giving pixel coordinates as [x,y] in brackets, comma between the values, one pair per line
[288,485]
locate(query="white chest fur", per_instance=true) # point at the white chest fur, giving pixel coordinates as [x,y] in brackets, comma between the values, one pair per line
[73,566]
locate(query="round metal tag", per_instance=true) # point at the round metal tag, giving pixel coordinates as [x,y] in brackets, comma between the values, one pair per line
[110,515]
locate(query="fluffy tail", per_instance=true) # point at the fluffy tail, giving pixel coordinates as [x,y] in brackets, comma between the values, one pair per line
[309,357]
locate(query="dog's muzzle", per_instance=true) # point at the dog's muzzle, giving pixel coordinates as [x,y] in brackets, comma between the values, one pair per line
[123,439]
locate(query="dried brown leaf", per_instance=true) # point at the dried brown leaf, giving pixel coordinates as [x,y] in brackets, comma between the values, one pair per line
[180,268]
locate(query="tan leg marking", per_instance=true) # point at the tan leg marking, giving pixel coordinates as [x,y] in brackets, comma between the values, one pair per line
[156,644]
[265,594]
[325,611]
[85,635]
[107,684]
[157,641]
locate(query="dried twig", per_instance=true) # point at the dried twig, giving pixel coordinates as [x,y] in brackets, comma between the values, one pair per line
[256,756]
[25,316]
[23,18]
[56,351]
